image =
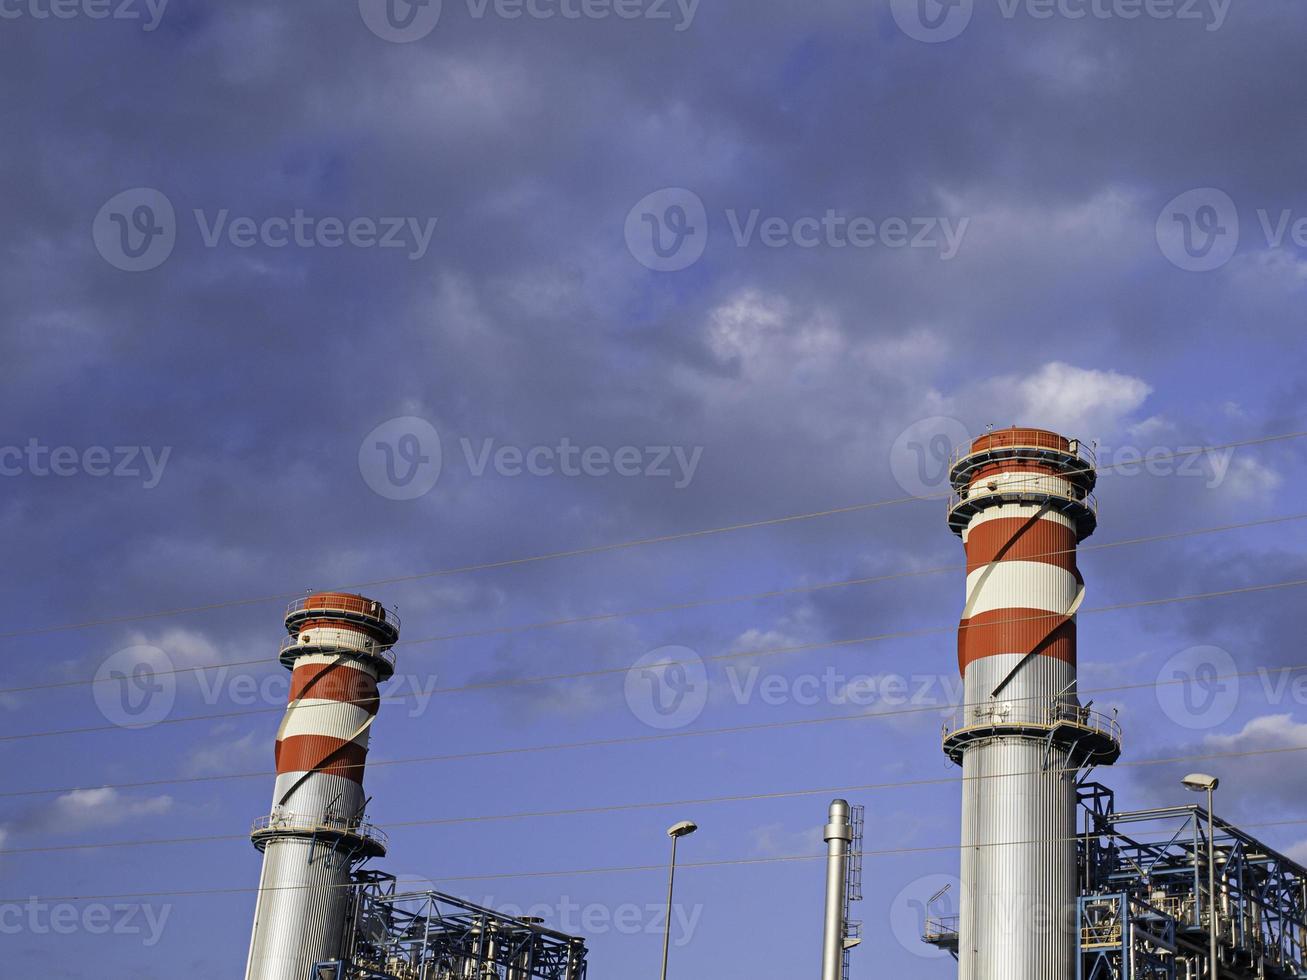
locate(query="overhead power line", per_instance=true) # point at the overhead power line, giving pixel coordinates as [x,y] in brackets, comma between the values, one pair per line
[614,742]
[606,671]
[665,804]
[579,872]
[616,546]
[689,604]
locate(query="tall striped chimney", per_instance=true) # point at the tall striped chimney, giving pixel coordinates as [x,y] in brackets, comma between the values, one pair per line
[1022,501]
[315,837]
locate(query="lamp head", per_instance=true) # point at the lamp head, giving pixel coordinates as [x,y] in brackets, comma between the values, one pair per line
[1200,782]
[683,829]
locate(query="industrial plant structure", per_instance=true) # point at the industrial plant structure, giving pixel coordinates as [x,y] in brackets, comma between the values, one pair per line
[319,913]
[1056,883]
[1046,896]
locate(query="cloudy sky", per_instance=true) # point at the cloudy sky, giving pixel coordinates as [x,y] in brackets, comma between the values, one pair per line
[310,295]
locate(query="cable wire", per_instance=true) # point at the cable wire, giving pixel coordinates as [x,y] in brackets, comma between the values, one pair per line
[626,545]
[666,804]
[577,872]
[600,672]
[691,604]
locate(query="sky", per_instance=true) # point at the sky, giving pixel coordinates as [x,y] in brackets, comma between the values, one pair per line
[349,294]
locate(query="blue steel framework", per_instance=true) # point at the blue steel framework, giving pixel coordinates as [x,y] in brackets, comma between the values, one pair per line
[431,936]
[1144,910]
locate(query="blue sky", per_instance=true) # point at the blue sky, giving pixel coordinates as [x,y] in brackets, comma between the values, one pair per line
[873,236]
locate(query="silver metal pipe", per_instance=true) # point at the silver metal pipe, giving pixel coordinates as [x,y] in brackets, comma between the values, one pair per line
[839,835]
[1214,915]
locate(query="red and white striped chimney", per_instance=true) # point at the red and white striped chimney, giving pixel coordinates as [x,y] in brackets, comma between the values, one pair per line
[316,835]
[1022,502]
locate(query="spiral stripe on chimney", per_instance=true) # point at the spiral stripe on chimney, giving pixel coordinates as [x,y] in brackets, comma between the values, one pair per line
[338,652]
[1022,503]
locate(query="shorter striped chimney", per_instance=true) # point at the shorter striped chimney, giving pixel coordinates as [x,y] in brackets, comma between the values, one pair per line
[315,836]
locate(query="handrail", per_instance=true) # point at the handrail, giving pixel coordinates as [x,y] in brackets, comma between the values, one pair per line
[1078,449]
[371,649]
[300,823]
[1005,714]
[385,614]
[940,926]
[957,498]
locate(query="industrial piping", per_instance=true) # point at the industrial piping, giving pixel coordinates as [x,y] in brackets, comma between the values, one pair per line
[316,835]
[1022,501]
[839,837]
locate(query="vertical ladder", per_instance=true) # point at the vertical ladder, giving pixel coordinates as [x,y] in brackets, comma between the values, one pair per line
[853,884]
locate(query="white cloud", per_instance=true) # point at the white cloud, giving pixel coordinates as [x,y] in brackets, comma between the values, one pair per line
[1249,479]
[84,809]
[1263,761]
[1078,400]
[773,840]
[185,647]
[213,756]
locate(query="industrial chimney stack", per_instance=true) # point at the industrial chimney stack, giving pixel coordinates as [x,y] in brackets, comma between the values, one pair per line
[338,651]
[1022,501]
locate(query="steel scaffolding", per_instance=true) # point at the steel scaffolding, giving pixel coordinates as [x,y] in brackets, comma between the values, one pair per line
[1145,910]
[432,936]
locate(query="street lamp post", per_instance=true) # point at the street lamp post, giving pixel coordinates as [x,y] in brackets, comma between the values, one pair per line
[1199,783]
[683,829]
